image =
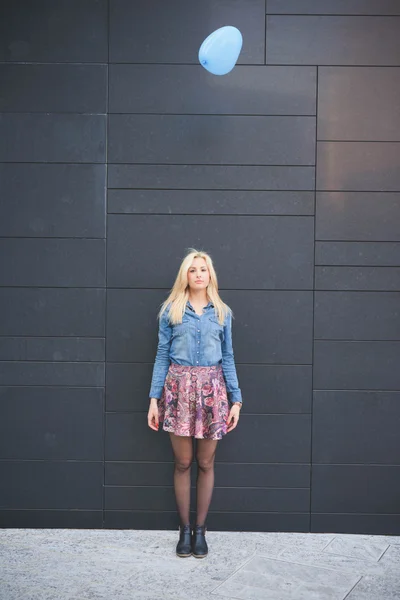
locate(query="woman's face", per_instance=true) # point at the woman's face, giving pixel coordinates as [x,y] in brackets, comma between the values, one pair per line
[198,274]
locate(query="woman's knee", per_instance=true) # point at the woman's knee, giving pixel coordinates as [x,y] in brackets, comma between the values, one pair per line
[183,464]
[206,464]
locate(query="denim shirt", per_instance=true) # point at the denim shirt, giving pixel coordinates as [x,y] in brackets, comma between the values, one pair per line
[198,341]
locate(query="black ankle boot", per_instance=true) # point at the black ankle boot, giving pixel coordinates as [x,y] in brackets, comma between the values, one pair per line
[183,547]
[199,544]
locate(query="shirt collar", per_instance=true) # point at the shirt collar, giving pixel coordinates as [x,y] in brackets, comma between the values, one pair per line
[210,304]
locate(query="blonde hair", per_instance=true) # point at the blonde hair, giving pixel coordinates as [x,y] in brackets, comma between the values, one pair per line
[179,294]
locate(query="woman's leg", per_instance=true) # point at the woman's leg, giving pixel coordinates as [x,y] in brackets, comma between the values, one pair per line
[205,456]
[183,453]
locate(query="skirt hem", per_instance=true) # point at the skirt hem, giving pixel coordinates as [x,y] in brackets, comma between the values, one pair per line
[197,437]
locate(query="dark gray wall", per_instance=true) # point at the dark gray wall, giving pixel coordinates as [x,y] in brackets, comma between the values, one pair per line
[287,170]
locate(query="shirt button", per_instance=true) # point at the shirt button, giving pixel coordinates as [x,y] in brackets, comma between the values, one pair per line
[198,342]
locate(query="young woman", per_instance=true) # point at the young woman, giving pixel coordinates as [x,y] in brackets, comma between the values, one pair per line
[194,389]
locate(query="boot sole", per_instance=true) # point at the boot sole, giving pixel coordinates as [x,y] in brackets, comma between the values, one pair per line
[183,555]
[199,555]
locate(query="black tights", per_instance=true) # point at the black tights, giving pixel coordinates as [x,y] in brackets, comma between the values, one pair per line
[205,455]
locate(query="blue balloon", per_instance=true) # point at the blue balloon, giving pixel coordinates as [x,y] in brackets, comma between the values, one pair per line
[220,50]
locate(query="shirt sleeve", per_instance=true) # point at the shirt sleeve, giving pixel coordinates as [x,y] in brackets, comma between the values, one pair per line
[162,361]
[228,364]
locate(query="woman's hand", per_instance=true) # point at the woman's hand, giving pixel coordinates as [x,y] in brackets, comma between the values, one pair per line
[233,417]
[152,415]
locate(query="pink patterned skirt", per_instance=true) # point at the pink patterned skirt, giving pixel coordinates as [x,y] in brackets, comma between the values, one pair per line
[194,402]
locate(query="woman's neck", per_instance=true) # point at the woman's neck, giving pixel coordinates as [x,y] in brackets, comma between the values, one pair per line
[199,299]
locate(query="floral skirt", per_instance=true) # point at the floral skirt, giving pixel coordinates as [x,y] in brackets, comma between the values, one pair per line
[194,402]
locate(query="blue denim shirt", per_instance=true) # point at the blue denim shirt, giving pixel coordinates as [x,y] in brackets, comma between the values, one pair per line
[198,341]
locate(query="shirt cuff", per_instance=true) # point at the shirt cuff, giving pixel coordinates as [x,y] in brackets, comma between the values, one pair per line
[235,396]
[155,393]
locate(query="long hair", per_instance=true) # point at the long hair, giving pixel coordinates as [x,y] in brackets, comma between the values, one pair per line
[179,295]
